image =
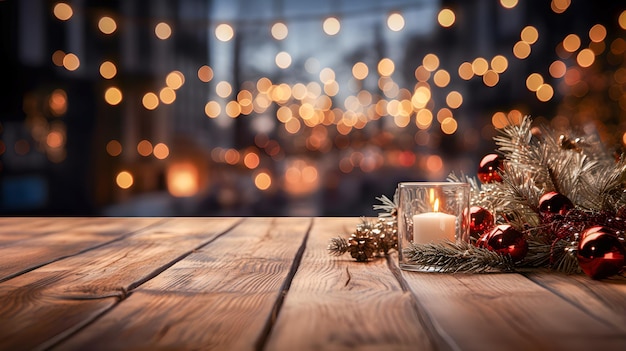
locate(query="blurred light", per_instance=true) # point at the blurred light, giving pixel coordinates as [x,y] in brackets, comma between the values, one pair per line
[559,6]
[454,99]
[360,70]
[327,75]
[231,156]
[163,30]
[480,66]
[55,139]
[557,69]
[529,34]
[466,72]
[58,102]
[108,70]
[499,64]
[585,58]
[534,81]
[283,60]
[212,109]
[232,109]
[444,113]
[441,78]
[57,58]
[446,18]
[386,67]
[150,101]
[251,160]
[124,179]
[113,96]
[223,89]
[262,181]
[331,26]
[571,43]
[224,32]
[499,120]
[449,125]
[167,95]
[107,25]
[434,163]
[114,148]
[279,31]
[430,62]
[491,78]
[175,79]
[508,4]
[263,85]
[205,73]
[183,179]
[423,118]
[622,20]
[161,151]
[144,148]
[421,97]
[71,62]
[395,22]
[63,11]
[597,33]
[521,50]
[422,74]
[545,92]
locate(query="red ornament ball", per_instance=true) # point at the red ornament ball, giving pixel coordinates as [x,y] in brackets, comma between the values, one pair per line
[505,240]
[554,203]
[481,220]
[600,253]
[489,167]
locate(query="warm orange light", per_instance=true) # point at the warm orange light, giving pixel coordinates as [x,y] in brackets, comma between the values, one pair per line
[205,73]
[113,96]
[108,70]
[224,32]
[508,4]
[283,60]
[331,26]
[163,30]
[71,62]
[58,102]
[124,179]
[386,67]
[175,79]
[446,18]
[262,181]
[114,148]
[107,25]
[150,101]
[183,179]
[63,11]
[167,95]
[144,148]
[529,34]
[161,151]
[279,31]
[360,70]
[395,22]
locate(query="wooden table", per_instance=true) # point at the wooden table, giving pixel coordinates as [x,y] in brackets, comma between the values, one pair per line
[269,284]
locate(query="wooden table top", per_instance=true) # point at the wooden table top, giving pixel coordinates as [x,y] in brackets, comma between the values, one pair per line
[269,284]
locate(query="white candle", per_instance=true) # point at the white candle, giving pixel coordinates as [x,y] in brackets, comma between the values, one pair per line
[432,227]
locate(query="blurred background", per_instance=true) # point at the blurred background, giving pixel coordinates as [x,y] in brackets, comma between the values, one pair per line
[285,108]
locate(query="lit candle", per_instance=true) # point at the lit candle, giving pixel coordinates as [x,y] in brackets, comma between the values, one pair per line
[432,227]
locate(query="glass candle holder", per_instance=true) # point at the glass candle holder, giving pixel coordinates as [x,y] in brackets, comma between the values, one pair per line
[431,212]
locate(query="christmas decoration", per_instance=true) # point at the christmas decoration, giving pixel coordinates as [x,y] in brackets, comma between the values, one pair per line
[600,253]
[549,193]
[368,241]
[489,168]
[480,221]
[505,240]
[553,202]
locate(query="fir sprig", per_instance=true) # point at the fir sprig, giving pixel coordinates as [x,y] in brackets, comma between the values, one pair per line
[457,257]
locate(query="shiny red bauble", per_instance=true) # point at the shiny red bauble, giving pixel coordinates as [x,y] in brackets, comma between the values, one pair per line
[505,240]
[600,253]
[481,220]
[554,203]
[489,168]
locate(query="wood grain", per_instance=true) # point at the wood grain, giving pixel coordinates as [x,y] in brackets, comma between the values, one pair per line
[340,304]
[45,305]
[507,311]
[604,299]
[48,241]
[220,297]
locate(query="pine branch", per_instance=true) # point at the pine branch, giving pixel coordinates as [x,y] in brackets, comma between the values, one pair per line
[338,246]
[461,257]
[388,206]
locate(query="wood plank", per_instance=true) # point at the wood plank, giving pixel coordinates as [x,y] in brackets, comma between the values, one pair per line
[507,311]
[220,297]
[43,306]
[61,238]
[339,304]
[13,229]
[604,299]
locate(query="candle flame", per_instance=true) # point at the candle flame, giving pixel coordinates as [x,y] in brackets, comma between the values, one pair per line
[436,205]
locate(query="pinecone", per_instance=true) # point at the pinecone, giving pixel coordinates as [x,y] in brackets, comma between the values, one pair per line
[386,231]
[361,245]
